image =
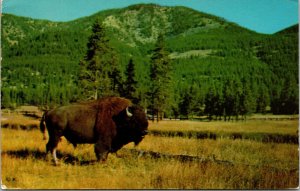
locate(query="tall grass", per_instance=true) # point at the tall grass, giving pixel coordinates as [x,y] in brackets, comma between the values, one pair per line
[283,156]
[255,164]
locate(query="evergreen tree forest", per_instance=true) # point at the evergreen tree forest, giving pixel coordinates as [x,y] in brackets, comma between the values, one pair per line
[202,66]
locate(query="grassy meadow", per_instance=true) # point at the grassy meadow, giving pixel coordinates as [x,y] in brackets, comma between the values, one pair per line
[249,164]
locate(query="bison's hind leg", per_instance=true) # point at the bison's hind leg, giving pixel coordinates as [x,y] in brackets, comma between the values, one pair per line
[51,147]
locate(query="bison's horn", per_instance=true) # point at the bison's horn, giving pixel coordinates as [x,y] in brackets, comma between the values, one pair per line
[128,113]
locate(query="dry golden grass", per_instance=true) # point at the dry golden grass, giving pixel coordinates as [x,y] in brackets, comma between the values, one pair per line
[256,165]
[259,126]
[284,156]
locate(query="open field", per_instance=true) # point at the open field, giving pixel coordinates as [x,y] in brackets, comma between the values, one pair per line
[226,164]
[262,131]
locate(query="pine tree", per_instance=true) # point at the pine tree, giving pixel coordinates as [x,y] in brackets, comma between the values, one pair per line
[263,99]
[185,106]
[130,85]
[99,75]
[247,103]
[190,103]
[289,97]
[230,99]
[160,76]
[214,103]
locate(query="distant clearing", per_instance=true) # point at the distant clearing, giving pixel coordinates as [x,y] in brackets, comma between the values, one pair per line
[188,54]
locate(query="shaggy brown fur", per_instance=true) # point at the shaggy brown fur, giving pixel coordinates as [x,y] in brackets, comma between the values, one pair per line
[106,109]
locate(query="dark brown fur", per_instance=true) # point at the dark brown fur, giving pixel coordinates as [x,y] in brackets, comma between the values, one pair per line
[106,109]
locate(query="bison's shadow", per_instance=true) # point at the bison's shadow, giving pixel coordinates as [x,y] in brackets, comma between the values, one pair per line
[40,155]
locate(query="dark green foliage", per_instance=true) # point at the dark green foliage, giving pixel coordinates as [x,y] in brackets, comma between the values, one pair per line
[186,103]
[99,73]
[160,76]
[129,89]
[191,102]
[217,67]
[280,52]
[289,97]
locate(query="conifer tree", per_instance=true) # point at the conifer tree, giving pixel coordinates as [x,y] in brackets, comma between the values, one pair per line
[130,85]
[229,99]
[263,99]
[247,100]
[289,97]
[99,75]
[189,102]
[160,76]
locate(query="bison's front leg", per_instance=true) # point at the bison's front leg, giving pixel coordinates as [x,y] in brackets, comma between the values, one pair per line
[101,151]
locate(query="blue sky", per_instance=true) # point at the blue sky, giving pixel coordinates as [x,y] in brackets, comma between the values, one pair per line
[264,16]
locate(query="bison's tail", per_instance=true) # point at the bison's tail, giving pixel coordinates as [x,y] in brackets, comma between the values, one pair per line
[43,126]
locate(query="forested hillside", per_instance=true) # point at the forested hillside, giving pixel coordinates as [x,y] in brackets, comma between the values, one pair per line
[219,68]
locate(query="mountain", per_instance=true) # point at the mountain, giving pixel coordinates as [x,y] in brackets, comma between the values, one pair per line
[41,58]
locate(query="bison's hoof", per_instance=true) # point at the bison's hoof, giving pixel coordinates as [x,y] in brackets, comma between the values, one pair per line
[56,163]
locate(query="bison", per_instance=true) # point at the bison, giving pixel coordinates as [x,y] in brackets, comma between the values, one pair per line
[109,123]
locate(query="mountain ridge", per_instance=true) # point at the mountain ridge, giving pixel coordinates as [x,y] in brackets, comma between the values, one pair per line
[86,22]
[140,9]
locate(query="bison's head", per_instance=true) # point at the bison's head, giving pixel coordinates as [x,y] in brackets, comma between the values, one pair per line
[132,126]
